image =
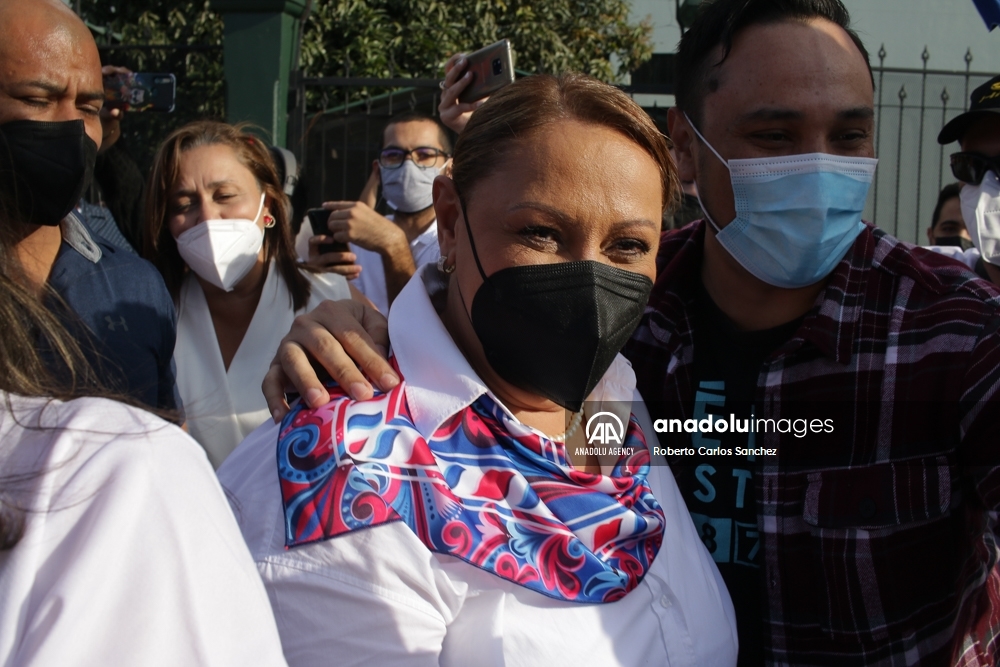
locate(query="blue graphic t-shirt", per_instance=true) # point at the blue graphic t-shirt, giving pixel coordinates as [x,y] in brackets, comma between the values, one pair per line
[719,487]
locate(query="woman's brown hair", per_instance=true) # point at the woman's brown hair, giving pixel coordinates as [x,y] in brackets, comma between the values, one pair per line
[39,357]
[161,248]
[524,106]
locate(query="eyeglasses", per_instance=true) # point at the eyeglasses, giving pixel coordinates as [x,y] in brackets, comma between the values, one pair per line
[971,167]
[424,157]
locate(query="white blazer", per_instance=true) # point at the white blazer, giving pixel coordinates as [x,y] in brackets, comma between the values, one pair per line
[223,407]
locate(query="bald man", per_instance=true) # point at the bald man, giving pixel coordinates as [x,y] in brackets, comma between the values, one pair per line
[51,94]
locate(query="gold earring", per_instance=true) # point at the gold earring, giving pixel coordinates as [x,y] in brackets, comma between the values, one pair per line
[443,268]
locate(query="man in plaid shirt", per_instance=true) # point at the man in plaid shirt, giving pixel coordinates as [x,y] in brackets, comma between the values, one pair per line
[867,536]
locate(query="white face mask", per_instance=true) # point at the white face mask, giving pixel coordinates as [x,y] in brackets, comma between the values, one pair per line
[223,251]
[409,188]
[981,211]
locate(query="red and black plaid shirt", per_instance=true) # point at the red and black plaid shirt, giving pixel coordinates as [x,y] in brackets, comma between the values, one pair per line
[879,543]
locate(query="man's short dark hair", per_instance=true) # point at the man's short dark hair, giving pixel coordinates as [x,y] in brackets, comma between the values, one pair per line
[412,116]
[950,191]
[718,23]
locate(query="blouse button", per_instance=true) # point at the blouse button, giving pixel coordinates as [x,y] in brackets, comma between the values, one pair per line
[665,602]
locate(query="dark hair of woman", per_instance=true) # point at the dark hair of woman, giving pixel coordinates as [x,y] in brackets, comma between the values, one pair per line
[160,247]
[950,191]
[519,109]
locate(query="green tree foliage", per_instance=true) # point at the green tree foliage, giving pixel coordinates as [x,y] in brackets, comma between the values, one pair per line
[173,22]
[415,37]
[372,38]
[200,80]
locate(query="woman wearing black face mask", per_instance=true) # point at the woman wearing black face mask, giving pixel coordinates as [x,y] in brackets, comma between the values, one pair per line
[513,516]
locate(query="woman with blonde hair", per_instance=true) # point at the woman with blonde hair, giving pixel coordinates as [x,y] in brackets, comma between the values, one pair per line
[218,231]
[465,517]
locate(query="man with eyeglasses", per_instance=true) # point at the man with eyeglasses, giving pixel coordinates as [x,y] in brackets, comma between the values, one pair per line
[415,148]
[977,166]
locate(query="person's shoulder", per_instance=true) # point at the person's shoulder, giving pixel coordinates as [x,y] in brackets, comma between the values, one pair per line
[108,439]
[934,276]
[672,240]
[113,256]
[680,249]
[278,470]
[132,274]
[89,414]
[105,422]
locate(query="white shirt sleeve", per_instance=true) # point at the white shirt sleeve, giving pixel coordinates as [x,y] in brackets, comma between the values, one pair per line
[133,557]
[342,597]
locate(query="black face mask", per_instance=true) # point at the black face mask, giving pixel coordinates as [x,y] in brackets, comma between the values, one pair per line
[554,329]
[45,167]
[957,241]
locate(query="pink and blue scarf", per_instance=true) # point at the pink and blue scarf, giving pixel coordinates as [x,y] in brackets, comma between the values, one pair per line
[507,504]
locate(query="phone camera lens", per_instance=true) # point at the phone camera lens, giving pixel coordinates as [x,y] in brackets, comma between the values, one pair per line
[497,67]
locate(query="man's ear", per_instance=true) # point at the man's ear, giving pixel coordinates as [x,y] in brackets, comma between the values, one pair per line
[684,140]
[449,213]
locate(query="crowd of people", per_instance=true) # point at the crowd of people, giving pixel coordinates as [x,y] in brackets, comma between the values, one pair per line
[227,438]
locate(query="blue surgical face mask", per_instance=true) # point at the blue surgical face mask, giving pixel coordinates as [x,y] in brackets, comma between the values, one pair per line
[796,215]
[409,188]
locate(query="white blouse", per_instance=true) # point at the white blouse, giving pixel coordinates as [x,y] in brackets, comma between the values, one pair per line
[130,553]
[379,596]
[222,407]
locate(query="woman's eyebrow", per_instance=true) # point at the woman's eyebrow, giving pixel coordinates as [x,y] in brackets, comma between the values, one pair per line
[566,219]
[550,211]
[210,186]
[636,222]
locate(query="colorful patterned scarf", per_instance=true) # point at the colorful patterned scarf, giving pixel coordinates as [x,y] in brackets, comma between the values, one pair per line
[484,488]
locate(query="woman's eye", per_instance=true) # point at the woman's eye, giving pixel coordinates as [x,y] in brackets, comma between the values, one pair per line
[632,247]
[546,234]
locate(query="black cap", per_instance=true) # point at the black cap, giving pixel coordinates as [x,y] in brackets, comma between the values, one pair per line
[984,100]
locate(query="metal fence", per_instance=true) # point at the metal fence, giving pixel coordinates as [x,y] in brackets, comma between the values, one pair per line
[338,142]
[911,107]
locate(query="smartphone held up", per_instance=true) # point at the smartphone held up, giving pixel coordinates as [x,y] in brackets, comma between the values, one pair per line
[318,220]
[140,91]
[492,68]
